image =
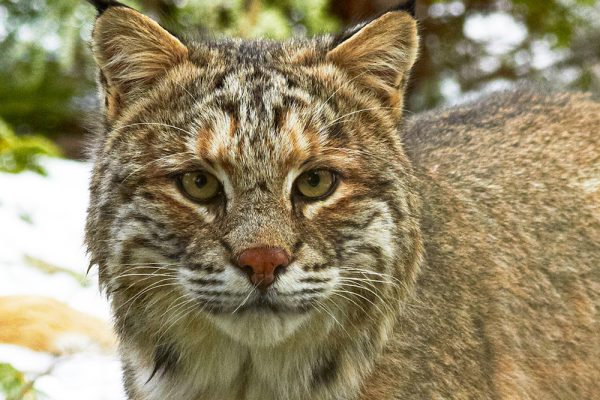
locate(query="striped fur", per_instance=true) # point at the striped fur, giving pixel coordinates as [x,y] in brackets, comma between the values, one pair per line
[256,114]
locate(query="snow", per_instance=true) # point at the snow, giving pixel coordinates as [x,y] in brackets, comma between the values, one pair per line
[86,375]
[42,218]
[499,31]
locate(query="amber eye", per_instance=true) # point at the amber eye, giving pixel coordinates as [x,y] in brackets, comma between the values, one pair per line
[200,185]
[316,184]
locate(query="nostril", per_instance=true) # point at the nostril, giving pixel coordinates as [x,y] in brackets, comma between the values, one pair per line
[248,270]
[280,269]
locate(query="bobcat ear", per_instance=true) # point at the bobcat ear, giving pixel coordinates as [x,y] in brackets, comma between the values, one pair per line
[380,53]
[131,51]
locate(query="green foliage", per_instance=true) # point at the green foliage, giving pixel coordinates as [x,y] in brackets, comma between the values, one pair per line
[19,153]
[45,68]
[277,19]
[560,48]
[52,269]
[14,385]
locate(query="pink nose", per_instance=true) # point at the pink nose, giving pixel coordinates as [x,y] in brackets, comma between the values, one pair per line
[262,264]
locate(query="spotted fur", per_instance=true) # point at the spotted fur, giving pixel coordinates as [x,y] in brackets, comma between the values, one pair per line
[390,292]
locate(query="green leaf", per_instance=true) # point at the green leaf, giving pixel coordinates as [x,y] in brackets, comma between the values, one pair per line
[20,153]
[14,385]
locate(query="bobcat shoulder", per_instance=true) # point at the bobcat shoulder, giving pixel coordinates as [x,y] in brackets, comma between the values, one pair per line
[507,301]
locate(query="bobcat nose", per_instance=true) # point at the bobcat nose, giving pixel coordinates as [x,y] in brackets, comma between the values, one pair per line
[262,264]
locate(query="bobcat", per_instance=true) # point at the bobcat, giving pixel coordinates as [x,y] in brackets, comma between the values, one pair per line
[268,226]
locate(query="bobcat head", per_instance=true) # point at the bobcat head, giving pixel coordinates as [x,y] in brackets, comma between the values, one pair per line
[257,186]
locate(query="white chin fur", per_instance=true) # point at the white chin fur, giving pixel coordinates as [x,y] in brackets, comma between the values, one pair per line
[259,328]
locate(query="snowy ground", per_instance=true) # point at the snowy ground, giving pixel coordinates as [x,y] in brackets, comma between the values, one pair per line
[41,223]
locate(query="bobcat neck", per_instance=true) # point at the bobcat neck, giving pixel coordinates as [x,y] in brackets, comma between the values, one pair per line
[324,360]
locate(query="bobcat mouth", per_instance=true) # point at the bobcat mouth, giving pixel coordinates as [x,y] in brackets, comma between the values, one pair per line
[267,304]
[263,303]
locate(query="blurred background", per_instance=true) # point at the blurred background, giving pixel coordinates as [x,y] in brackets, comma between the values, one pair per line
[47,95]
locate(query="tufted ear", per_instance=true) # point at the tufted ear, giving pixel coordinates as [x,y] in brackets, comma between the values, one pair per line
[379,54]
[132,51]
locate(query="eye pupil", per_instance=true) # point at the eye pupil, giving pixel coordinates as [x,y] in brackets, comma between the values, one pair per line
[313,179]
[201,180]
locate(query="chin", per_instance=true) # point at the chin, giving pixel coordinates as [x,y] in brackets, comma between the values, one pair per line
[260,327]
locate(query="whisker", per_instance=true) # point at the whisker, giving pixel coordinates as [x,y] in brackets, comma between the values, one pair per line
[139,281]
[369,272]
[360,111]
[385,304]
[369,301]
[155,285]
[170,306]
[150,265]
[247,297]
[187,306]
[363,279]
[358,306]
[324,308]
[149,275]
[167,273]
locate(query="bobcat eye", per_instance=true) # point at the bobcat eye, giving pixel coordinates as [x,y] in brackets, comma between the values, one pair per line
[199,185]
[316,184]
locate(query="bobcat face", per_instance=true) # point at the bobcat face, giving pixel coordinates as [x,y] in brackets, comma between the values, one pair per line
[256,185]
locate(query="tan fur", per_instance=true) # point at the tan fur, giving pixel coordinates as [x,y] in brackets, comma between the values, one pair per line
[457,257]
[44,324]
[380,56]
[508,302]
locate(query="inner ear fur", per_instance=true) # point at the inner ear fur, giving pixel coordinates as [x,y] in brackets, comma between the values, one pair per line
[132,51]
[380,54]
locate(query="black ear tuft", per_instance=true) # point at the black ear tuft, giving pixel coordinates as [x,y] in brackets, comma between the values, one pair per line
[347,34]
[408,6]
[103,5]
